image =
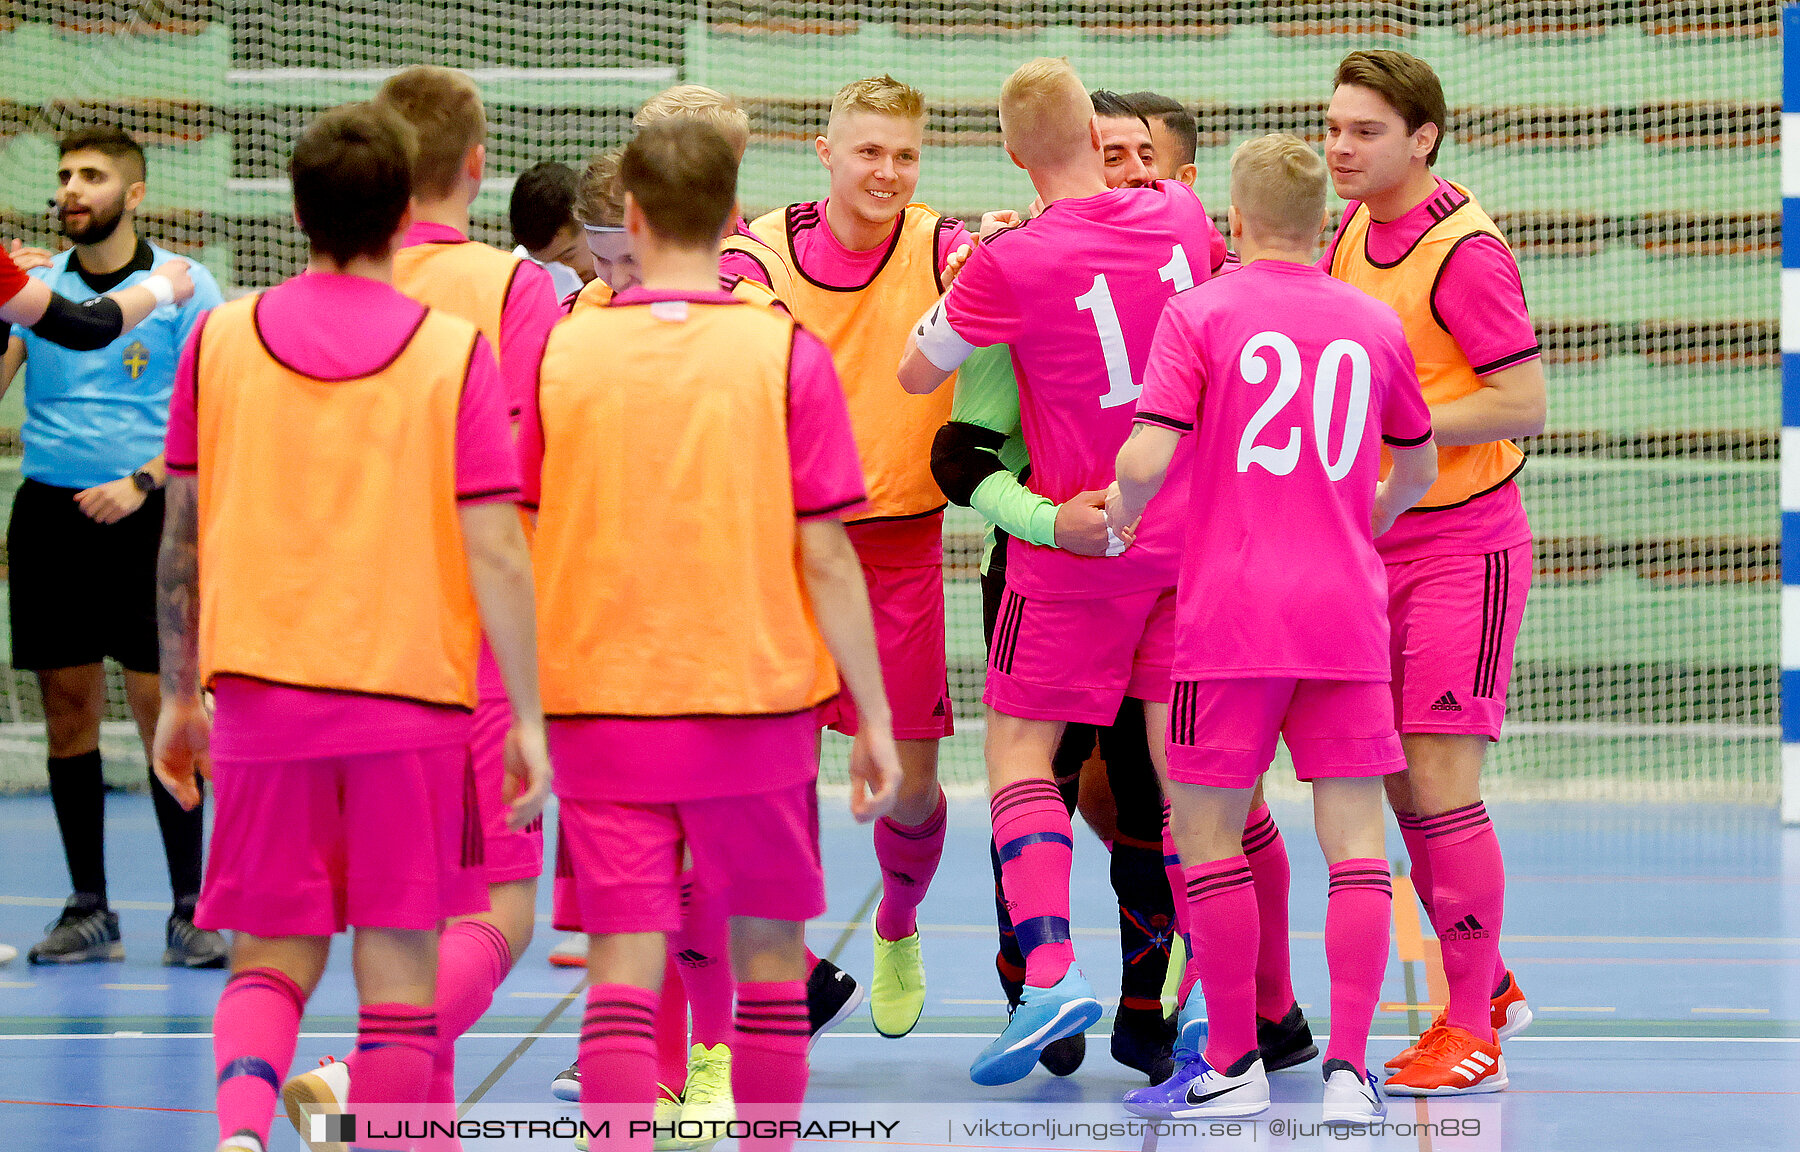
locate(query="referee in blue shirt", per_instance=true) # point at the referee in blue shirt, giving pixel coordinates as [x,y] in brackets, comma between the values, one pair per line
[85,528]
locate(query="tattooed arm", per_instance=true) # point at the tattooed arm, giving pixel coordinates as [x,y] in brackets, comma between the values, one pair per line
[183,730]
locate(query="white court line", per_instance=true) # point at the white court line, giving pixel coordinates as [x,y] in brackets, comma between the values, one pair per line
[35,1036]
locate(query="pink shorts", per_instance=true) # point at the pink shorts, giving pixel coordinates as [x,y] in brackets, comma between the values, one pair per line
[619,865]
[310,847]
[1077,660]
[1222,732]
[510,855]
[1453,621]
[908,607]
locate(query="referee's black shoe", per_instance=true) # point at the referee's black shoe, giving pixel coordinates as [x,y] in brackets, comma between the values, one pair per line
[190,946]
[86,931]
[831,996]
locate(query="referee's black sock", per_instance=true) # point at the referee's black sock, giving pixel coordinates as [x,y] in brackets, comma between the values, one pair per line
[78,793]
[181,835]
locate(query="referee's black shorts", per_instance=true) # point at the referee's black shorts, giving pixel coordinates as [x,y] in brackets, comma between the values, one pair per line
[80,590]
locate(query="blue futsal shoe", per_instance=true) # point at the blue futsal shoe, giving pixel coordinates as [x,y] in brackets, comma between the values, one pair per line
[1044,1016]
[1156,1100]
[1199,1089]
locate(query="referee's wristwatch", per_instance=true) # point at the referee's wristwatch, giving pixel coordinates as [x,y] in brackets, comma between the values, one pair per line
[144,481]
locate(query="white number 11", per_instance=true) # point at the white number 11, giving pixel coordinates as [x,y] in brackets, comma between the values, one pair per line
[1120,387]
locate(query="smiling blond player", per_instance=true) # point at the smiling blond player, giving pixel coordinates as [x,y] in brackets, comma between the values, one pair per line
[867,262]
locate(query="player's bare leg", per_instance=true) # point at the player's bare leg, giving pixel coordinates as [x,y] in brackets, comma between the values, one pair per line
[768,1066]
[618,1053]
[257,1026]
[909,842]
[1443,774]
[1359,909]
[1223,1070]
[1035,840]
[1460,877]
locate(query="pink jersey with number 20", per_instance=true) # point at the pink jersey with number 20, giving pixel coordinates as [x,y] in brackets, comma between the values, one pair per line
[1077,292]
[1288,380]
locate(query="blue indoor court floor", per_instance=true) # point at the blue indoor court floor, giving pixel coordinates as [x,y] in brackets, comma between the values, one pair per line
[1659,946]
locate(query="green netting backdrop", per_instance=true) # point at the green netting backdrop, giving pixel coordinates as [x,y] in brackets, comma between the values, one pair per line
[1629,150]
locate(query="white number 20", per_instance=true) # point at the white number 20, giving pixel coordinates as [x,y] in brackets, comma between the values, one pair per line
[1255,369]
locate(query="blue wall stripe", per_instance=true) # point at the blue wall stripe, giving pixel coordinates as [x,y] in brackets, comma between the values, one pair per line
[1790,390]
[1790,705]
[1790,37]
[1790,373]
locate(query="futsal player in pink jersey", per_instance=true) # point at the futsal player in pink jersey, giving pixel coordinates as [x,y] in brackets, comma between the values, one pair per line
[511,300]
[682,682]
[339,732]
[865,262]
[1287,383]
[1076,293]
[1459,565]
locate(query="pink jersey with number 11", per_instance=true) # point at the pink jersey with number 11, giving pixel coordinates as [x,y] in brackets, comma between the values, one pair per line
[1288,381]
[1077,292]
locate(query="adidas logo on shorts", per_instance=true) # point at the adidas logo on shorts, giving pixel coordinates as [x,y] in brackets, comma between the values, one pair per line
[1468,928]
[1446,703]
[694,959]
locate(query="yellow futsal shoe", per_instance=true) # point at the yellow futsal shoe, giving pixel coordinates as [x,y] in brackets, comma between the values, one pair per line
[666,1115]
[897,992]
[707,1108]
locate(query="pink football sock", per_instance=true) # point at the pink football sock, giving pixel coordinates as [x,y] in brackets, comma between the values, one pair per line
[672,1029]
[395,1046]
[1037,849]
[1413,834]
[1412,831]
[702,954]
[473,960]
[618,1061]
[768,1064]
[1468,890]
[1267,854]
[908,856]
[1356,951]
[1222,909]
[255,1028]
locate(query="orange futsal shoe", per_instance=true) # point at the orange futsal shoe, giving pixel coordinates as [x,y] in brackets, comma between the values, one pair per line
[1508,1012]
[1451,1062]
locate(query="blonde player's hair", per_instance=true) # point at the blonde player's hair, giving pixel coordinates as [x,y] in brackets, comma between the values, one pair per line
[600,200]
[1278,187]
[444,108]
[1045,112]
[701,103]
[882,95]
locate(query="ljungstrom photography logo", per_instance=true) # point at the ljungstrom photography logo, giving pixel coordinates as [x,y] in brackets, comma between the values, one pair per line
[333,1129]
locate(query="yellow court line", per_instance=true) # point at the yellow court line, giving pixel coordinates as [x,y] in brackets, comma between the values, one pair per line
[1566,1008]
[1734,1011]
[1412,943]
